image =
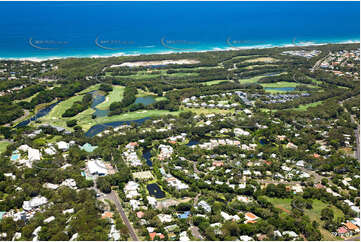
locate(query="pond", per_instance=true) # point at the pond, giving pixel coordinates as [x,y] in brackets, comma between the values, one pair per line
[96,129]
[39,114]
[98,98]
[281,89]
[155,191]
[146,156]
[263,141]
[146,100]
[192,142]
[272,73]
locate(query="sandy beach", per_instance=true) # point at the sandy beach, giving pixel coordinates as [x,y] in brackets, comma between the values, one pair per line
[155,63]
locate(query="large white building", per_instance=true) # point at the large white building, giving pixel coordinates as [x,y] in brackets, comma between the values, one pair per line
[34,203]
[97,167]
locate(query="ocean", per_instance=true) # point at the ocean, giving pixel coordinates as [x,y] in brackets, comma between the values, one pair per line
[45,30]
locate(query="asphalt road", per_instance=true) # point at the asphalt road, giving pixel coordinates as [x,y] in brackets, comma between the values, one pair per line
[357,132]
[115,198]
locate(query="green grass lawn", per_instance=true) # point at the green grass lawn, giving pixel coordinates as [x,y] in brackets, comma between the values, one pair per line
[27,99]
[282,203]
[4,145]
[314,214]
[89,89]
[304,107]
[214,82]
[268,110]
[114,96]
[54,139]
[314,80]
[59,109]
[160,99]
[250,80]
[280,84]
[85,118]
[250,67]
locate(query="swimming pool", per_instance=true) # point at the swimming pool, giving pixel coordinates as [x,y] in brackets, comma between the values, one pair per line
[15,157]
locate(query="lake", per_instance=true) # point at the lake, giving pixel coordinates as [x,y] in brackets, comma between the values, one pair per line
[96,129]
[39,114]
[155,191]
[272,74]
[281,89]
[146,156]
[263,141]
[146,100]
[98,98]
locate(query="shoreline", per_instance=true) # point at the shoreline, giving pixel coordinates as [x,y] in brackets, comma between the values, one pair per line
[164,52]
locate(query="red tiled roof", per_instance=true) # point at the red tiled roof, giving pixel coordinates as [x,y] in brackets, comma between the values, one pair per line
[251,221]
[250,215]
[351,226]
[107,215]
[319,186]
[341,230]
[140,214]
[218,163]
[153,234]
[268,162]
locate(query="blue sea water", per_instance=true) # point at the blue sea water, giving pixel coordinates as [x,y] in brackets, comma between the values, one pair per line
[82,29]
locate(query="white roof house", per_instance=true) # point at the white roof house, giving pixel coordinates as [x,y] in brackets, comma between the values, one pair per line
[205,206]
[131,190]
[227,217]
[50,150]
[241,132]
[71,183]
[50,219]
[114,234]
[300,163]
[152,201]
[34,154]
[245,238]
[71,210]
[165,218]
[97,167]
[50,186]
[62,145]
[74,237]
[17,236]
[290,234]
[24,148]
[131,186]
[183,236]
[36,232]
[34,203]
